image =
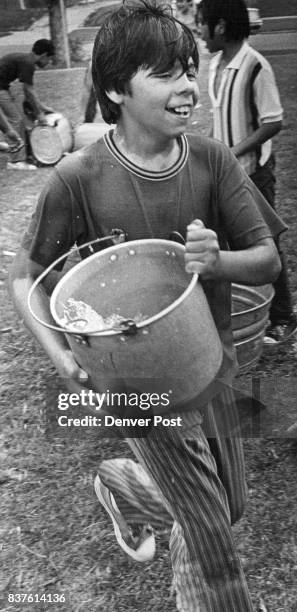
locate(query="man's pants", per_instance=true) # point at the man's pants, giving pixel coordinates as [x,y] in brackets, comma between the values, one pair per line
[197,488]
[281,310]
[14,117]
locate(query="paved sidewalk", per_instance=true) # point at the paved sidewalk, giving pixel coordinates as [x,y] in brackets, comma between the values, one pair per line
[75,17]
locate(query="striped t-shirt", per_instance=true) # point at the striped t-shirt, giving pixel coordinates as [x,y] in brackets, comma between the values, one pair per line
[247,97]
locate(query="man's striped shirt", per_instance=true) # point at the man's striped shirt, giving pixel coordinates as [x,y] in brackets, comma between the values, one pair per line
[247,97]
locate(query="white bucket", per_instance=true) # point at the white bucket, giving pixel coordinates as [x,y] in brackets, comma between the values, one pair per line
[50,142]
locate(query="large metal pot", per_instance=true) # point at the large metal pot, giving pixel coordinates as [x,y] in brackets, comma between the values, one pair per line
[250,315]
[175,349]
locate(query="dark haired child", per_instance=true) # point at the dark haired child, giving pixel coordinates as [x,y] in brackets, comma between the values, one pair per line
[148,178]
[247,113]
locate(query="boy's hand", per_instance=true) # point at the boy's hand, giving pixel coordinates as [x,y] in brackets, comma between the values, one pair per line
[75,379]
[202,250]
[69,370]
[13,135]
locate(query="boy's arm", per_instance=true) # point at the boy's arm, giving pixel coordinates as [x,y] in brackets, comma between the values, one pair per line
[23,273]
[269,111]
[265,132]
[256,265]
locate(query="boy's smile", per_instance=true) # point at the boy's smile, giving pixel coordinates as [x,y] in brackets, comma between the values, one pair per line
[159,105]
[182,111]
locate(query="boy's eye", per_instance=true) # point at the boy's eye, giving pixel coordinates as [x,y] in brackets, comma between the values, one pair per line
[192,74]
[162,75]
[176,73]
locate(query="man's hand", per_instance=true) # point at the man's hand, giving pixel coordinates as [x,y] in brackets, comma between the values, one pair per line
[47,109]
[42,120]
[14,139]
[12,135]
[202,250]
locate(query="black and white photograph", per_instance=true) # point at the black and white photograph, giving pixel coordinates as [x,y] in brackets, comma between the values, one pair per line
[148,302]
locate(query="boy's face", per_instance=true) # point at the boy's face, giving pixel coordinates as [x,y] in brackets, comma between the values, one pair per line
[160,104]
[214,43]
[43,60]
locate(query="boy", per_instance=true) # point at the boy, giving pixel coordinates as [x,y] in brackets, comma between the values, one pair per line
[149,179]
[247,113]
[22,66]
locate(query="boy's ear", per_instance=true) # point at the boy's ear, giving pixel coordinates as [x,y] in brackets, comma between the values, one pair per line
[221,27]
[115,97]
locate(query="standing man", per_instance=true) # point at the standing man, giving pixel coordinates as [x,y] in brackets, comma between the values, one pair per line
[22,66]
[247,113]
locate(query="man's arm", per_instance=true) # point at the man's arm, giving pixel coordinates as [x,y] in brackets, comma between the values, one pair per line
[9,132]
[39,108]
[256,265]
[265,132]
[23,273]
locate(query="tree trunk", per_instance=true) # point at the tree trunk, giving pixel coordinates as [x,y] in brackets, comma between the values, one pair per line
[57,25]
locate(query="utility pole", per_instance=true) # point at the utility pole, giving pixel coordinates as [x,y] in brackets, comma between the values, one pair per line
[58,32]
[65,33]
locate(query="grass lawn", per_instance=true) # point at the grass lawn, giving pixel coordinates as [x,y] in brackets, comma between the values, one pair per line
[55,536]
[274,8]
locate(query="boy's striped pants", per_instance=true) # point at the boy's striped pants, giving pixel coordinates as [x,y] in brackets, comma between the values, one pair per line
[196,486]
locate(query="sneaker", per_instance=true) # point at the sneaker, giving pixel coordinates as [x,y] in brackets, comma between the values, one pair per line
[277,334]
[261,606]
[21,165]
[141,547]
[4,146]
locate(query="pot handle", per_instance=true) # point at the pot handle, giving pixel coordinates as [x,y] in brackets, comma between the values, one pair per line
[116,235]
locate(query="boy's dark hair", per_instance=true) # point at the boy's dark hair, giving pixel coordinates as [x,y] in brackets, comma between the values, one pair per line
[42,46]
[234,13]
[136,36]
